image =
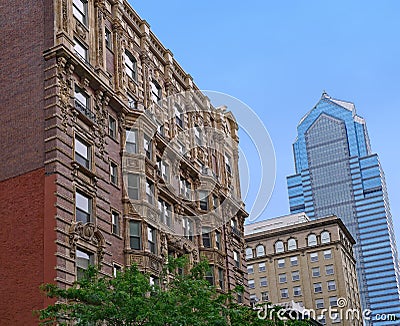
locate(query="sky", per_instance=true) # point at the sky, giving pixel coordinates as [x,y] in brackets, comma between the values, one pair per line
[278,57]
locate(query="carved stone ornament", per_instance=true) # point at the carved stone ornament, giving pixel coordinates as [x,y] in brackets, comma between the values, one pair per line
[65,84]
[89,233]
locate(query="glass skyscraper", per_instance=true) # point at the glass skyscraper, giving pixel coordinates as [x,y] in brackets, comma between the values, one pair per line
[336,173]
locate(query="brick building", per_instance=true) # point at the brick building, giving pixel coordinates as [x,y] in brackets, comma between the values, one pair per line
[310,263]
[111,155]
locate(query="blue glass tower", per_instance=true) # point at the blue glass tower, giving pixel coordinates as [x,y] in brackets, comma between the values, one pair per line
[336,173]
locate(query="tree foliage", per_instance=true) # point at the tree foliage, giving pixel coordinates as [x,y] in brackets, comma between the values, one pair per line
[129,299]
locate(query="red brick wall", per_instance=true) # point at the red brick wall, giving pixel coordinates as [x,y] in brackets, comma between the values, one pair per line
[27,245]
[22,42]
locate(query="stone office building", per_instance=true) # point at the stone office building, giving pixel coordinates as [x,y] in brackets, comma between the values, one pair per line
[111,154]
[310,263]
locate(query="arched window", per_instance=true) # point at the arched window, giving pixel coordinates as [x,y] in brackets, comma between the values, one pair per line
[325,237]
[292,244]
[312,240]
[279,247]
[260,250]
[249,253]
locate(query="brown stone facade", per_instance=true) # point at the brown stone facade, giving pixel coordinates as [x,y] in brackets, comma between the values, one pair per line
[108,148]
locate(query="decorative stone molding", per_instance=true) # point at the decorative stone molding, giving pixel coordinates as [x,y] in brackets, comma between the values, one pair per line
[87,232]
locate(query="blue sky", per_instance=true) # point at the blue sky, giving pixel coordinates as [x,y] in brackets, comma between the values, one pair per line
[278,57]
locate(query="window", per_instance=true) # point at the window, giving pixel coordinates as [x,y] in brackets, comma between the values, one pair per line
[80,10]
[239,297]
[264,296]
[115,223]
[210,275]
[317,287]
[163,169]
[319,303]
[160,129]
[263,281]
[228,165]
[131,141]
[260,250]
[316,272]
[112,127]
[279,247]
[333,301]
[284,293]
[203,200]
[187,228]
[250,269]
[253,298]
[327,254]
[336,318]
[108,39]
[314,256]
[236,258]
[178,115]
[215,202]
[251,284]
[218,240]
[282,278]
[80,50]
[83,260]
[221,281]
[82,153]
[149,191]
[116,269]
[133,186]
[206,236]
[185,188]
[83,207]
[292,244]
[152,239]
[82,103]
[114,173]
[281,263]
[249,253]
[262,267]
[329,270]
[148,147]
[181,148]
[325,237]
[155,92]
[312,240]
[198,136]
[297,291]
[295,276]
[165,212]
[294,261]
[135,235]
[322,319]
[331,285]
[132,104]
[130,65]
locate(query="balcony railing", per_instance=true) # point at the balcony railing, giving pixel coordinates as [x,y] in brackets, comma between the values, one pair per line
[236,231]
[82,108]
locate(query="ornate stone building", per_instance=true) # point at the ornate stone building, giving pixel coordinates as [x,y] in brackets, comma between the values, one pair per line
[112,156]
[308,263]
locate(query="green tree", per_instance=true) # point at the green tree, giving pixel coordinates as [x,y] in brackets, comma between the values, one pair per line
[129,299]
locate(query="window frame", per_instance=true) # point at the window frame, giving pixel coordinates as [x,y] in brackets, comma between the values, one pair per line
[114,177]
[80,270]
[325,237]
[137,237]
[312,240]
[206,237]
[112,127]
[130,65]
[292,244]
[83,161]
[132,188]
[280,249]
[156,92]
[115,223]
[76,10]
[108,38]
[87,214]
[260,253]
[152,241]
